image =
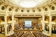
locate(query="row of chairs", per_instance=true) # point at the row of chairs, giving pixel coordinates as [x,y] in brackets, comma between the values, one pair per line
[28,34]
[25,28]
[39,34]
[17,34]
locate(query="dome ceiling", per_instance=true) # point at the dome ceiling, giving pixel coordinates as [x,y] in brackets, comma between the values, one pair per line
[27,3]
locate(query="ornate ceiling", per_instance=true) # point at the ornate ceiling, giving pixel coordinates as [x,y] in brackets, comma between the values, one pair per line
[27,3]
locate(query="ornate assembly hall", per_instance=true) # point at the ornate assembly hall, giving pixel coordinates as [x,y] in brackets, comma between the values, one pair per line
[27,18]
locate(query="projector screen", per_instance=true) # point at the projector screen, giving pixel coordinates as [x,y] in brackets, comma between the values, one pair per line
[28,23]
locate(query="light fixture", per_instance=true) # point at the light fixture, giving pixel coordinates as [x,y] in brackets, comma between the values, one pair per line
[28,3]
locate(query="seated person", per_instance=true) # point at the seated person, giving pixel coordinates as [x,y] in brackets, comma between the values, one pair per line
[46,27]
[54,30]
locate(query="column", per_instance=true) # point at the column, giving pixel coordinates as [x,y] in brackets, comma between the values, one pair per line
[43,24]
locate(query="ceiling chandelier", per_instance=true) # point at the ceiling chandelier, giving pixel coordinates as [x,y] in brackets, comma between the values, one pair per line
[28,3]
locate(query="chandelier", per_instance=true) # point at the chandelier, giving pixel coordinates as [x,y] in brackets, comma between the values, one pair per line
[28,3]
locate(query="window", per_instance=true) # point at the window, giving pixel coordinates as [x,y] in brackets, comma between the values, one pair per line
[27,10]
[2,7]
[53,7]
[39,10]
[22,10]
[16,10]
[46,9]
[33,10]
[28,23]
[10,9]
